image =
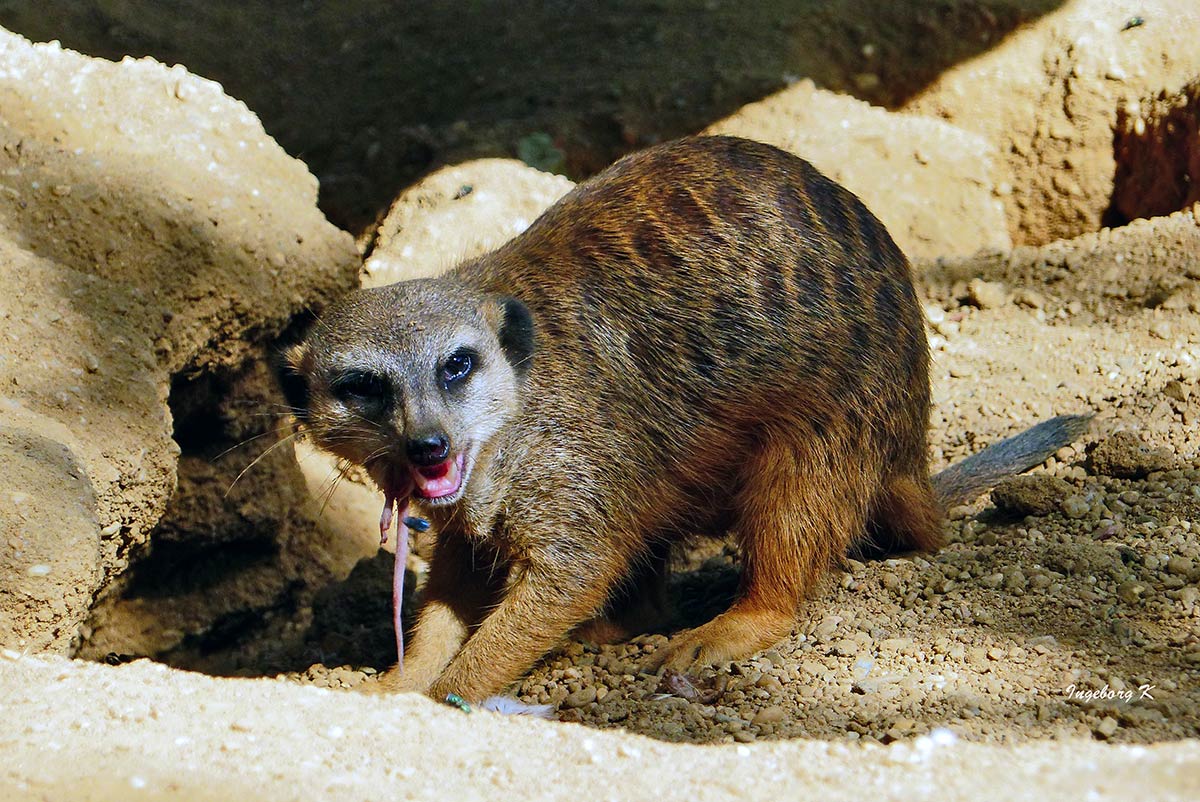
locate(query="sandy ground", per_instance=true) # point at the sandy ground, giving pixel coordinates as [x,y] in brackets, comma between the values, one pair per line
[84,732]
[1051,649]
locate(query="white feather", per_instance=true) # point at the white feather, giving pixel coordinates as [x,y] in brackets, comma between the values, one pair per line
[508,706]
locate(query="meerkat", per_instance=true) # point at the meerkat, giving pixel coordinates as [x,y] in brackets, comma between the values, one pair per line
[709,335]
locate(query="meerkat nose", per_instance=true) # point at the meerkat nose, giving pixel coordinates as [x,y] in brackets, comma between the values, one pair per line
[428,450]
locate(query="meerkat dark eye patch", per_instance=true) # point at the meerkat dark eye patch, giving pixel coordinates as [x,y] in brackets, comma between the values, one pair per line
[360,386]
[292,381]
[458,366]
[295,390]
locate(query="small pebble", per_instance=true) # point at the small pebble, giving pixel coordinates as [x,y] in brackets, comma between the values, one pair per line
[1176,390]
[770,684]
[845,648]
[1075,506]
[1131,591]
[992,580]
[769,715]
[1029,298]
[1180,566]
[584,696]
[827,627]
[987,294]
[958,512]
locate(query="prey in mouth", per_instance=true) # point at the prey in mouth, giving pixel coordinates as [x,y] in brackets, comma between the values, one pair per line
[438,483]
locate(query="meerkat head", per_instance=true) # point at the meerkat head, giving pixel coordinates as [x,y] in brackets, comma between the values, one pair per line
[411,381]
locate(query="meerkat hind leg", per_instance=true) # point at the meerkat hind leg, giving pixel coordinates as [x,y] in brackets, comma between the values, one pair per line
[799,509]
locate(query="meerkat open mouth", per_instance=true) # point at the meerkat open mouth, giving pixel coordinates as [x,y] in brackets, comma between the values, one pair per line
[439,481]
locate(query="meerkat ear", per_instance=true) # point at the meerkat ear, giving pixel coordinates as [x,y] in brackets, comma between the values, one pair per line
[516,333]
[289,369]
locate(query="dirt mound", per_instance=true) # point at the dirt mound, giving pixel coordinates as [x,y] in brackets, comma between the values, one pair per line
[929,182]
[372,100]
[161,734]
[152,231]
[1048,98]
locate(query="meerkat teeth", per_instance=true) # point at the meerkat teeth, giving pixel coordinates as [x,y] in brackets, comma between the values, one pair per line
[441,480]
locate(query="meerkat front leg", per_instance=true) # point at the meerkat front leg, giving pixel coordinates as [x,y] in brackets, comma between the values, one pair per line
[543,602]
[462,584]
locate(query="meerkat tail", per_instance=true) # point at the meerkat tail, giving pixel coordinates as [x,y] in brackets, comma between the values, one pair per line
[965,480]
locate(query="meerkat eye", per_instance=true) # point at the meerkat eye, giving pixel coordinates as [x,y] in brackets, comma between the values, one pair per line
[457,367]
[359,386]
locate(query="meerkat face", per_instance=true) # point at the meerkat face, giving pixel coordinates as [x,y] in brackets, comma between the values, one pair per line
[411,381]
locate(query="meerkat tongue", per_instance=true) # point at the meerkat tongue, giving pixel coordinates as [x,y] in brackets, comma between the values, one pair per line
[443,479]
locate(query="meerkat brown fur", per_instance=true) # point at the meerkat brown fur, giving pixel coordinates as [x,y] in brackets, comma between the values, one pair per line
[708,335]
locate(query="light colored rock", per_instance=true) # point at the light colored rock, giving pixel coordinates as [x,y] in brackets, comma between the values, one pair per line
[769,715]
[148,227]
[456,213]
[930,183]
[584,696]
[1045,100]
[987,294]
[1075,506]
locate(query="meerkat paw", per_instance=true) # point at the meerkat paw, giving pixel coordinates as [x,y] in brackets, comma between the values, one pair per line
[733,635]
[395,681]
